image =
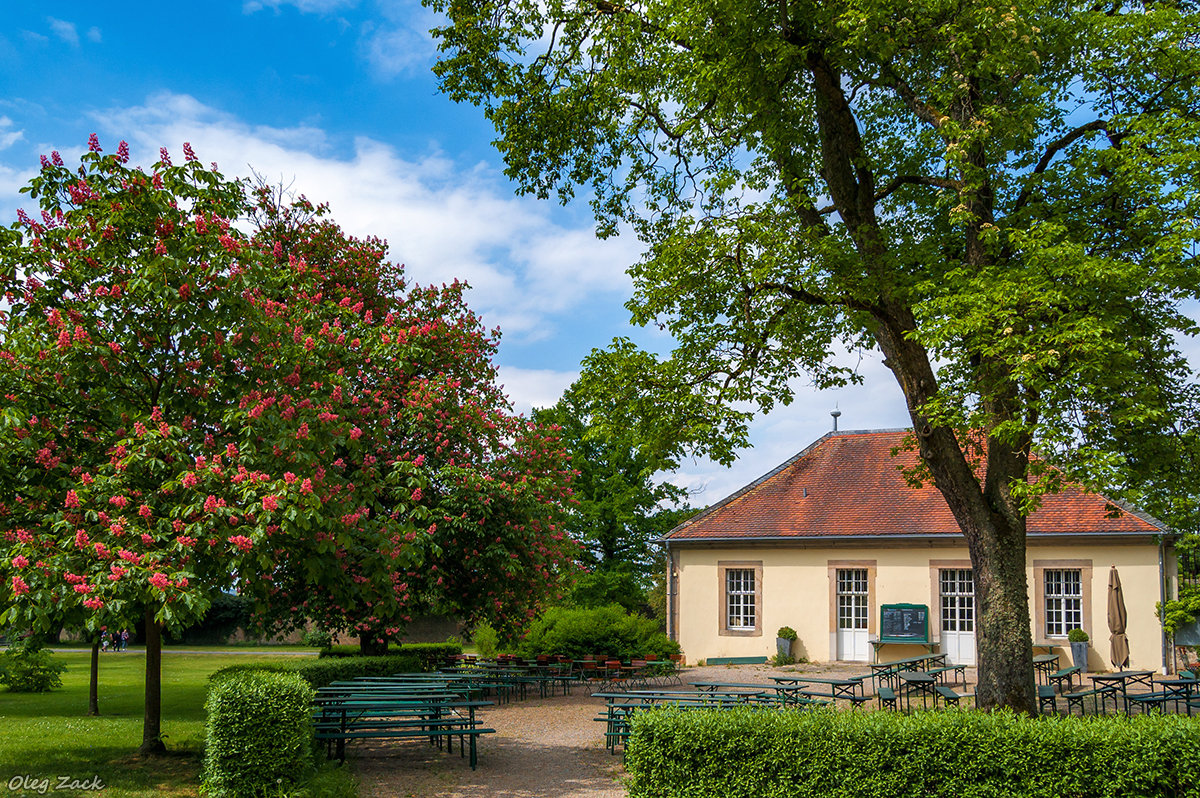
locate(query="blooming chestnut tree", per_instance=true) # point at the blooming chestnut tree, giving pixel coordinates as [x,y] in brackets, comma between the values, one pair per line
[188,408]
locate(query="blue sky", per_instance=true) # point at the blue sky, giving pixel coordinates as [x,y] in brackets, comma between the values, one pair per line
[336,98]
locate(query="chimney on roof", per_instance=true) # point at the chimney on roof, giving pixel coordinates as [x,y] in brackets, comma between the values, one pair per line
[835,415]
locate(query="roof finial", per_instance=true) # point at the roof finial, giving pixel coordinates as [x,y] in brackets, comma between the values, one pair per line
[835,415]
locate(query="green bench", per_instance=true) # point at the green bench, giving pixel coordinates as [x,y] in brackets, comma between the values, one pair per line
[1065,675]
[948,695]
[379,714]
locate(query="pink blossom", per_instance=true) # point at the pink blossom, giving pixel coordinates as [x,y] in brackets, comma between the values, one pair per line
[18,586]
[210,504]
[306,486]
[145,512]
[147,539]
[188,153]
[242,542]
[289,477]
[83,587]
[231,450]
[119,501]
[416,495]
[123,151]
[94,143]
[302,432]
[190,479]
[93,603]
[86,478]
[159,581]
[270,503]
[355,433]
[186,542]
[164,156]
[19,561]
[72,499]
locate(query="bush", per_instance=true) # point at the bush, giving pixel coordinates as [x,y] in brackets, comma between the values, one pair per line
[429,655]
[30,668]
[827,754]
[325,672]
[317,638]
[486,639]
[605,630]
[259,737]
[787,633]
[1077,636]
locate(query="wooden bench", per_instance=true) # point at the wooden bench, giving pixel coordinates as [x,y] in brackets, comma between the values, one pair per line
[1098,696]
[948,695]
[337,719]
[960,672]
[1066,674]
[1047,698]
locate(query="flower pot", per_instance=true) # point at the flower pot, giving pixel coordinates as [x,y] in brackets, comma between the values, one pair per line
[1079,655]
[783,647]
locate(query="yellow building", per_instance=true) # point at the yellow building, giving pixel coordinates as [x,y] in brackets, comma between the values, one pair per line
[835,535]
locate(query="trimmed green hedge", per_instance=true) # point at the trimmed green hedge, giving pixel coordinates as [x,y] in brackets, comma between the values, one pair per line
[323,672]
[259,737]
[959,754]
[430,655]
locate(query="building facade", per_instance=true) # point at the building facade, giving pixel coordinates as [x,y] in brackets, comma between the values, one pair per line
[828,539]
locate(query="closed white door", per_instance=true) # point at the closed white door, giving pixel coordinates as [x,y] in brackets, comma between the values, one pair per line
[958,615]
[852,604]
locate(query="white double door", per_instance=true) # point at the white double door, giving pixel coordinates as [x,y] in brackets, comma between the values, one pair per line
[957,589]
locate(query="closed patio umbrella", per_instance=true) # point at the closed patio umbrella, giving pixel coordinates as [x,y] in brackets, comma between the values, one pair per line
[1117,618]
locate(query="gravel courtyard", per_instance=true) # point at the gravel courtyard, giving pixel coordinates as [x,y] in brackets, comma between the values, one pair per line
[547,747]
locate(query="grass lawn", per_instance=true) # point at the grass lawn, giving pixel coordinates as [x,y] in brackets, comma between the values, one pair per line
[48,735]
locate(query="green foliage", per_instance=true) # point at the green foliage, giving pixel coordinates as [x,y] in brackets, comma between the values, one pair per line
[621,505]
[326,671]
[1077,636]
[486,640]
[318,638]
[772,754]
[616,584]
[429,655]
[1182,611]
[602,630]
[30,668]
[787,633]
[226,614]
[259,734]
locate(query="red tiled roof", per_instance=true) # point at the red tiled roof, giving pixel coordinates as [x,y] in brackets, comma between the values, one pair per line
[848,483]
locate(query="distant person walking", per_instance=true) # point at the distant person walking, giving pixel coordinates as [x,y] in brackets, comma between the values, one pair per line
[124,640]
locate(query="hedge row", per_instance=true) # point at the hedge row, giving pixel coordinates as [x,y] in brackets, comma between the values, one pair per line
[259,734]
[967,754]
[323,672]
[431,655]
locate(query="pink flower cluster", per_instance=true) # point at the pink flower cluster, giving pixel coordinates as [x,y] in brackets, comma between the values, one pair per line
[242,542]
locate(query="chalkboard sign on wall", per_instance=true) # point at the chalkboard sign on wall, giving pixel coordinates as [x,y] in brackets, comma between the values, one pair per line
[904,623]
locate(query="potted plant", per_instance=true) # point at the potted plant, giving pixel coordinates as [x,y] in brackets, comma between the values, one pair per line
[783,642]
[1079,648]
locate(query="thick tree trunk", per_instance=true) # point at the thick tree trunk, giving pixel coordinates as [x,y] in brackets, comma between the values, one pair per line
[152,719]
[94,679]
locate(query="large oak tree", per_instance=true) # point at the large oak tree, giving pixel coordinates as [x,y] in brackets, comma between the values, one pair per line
[1000,198]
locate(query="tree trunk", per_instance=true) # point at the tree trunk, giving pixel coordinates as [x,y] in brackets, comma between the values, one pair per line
[94,679]
[368,646]
[152,719]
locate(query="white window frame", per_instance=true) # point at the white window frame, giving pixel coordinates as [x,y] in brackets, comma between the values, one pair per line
[1063,596]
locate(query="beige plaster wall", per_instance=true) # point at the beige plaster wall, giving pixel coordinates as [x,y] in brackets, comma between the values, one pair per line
[796,591]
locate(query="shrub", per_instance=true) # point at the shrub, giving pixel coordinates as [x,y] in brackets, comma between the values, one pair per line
[324,672]
[1077,636]
[428,655]
[604,630]
[787,633]
[486,639]
[826,754]
[30,668]
[317,638]
[259,734]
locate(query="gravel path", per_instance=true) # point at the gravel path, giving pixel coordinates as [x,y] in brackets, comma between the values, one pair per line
[543,748]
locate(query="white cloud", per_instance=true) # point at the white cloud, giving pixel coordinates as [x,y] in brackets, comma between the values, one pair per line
[94,35]
[64,30]
[8,136]
[530,388]
[303,6]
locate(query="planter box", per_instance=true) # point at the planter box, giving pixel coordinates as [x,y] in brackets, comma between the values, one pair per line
[1079,655]
[783,647]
